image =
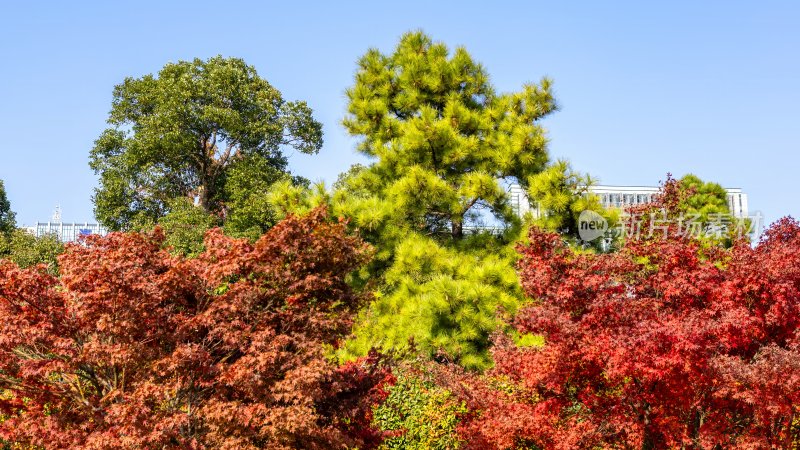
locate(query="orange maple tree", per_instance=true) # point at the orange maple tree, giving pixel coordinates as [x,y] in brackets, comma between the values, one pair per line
[132,347]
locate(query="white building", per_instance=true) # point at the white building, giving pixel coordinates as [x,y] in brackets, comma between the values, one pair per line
[66,232]
[622,196]
[519,201]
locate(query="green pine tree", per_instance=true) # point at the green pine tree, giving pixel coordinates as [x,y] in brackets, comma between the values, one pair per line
[704,198]
[706,202]
[444,146]
[443,139]
[558,196]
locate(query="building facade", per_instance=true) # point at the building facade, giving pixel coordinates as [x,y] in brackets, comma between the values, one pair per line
[66,232]
[623,196]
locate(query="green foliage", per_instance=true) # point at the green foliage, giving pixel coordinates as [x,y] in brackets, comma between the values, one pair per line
[342,179]
[439,301]
[249,212]
[180,133]
[707,203]
[444,145]
[26,250]
[527,340]
[559,194]
[185,226]
[7,217]
[21,247]
[288,197]
[442,136]
[706,200]
[423,415]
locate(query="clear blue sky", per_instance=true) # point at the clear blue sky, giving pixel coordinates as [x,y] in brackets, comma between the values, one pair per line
[645,89]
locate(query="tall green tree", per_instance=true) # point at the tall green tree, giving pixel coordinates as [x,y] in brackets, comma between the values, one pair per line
[440,301]
[444,146]
[706,202]
[443,138]
[7,217]
[179,133]
[185,226]
[248,210]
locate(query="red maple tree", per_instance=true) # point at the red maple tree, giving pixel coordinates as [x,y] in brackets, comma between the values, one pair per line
[668,343]
[135,348]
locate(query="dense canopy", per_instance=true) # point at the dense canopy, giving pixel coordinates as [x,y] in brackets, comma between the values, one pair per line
[407,307]
[668,343]
[180,133]
[134,348]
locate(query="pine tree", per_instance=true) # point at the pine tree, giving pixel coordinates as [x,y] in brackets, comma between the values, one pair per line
[443,138]
[704,198]
[444,145]
[559,195]
[441,302]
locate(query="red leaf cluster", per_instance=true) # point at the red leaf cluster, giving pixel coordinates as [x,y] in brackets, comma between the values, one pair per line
[134,348]
[668,343]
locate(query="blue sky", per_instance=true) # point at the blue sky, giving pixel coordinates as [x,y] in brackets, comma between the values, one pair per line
[711,87]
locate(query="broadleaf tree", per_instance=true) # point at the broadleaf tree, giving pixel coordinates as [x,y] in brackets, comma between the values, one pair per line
[26,250]
[178,133]
[132,347]
[20,246]
[667,343]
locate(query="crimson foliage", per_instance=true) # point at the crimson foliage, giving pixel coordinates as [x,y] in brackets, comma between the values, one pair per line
[135,348]
[669,343]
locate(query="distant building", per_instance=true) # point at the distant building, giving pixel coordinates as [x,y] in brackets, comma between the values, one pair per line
[622,196]
[66,232]
[519,201]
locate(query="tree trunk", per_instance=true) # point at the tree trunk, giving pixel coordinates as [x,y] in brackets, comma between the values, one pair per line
[206,194]
[205,199]
[457,230]
[206,172]
[649,439]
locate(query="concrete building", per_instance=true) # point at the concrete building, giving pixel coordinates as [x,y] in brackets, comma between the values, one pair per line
[66,232]
[622,196]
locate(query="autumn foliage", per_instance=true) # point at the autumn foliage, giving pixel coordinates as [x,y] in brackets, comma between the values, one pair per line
[668,343]
[135,348]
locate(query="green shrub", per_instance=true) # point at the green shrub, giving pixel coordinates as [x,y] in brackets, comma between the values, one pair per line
[419,415]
